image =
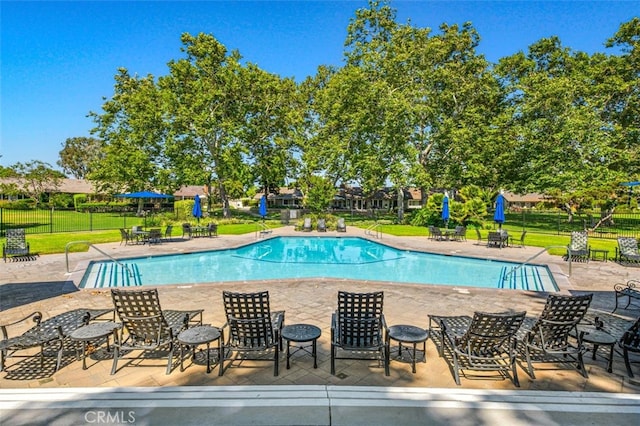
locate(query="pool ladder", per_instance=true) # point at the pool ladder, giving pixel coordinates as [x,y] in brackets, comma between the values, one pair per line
[263,230]
[374,231]
[526,262]
[88,243]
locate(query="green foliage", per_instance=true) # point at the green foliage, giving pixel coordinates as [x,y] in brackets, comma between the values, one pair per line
[183,209]
[79,199]
[78,154]
[61,200]
[319,193]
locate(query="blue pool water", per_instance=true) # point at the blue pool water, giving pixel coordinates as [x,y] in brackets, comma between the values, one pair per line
[313,257]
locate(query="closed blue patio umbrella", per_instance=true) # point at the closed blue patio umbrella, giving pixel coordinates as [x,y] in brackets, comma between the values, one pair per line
[498,216]
[445,210]
[262,208]
[197,208]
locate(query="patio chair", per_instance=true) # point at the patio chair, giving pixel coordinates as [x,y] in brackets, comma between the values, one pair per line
[496,239]
[549,339]
[168,233]
[435,233]
[460,233]
[253,330]
[627,250]
[306,226]
[579,249]
[629,290]
[126,237]
[488,344]
[630,342]
[16,245]
[147,326]
[52,333]
[212,230]
[154,236]
[341,226]
[520,242]
[322,225]
[356,328]
[186,230]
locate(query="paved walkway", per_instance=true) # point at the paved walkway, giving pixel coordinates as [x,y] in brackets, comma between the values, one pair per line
[44,284]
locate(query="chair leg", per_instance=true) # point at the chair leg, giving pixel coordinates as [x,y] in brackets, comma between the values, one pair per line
[333,360]
[3,356]
[116,355]
[276,360]
[385,355]
[529,364]
[514,372]
[456,373]
[583,370]
[170,361]
[627,362]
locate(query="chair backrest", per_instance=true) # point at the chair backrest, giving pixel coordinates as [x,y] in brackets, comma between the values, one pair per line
[322,223]
[155,234]
[628,245]
[579,240]
[630,340]
[140,312]
[307,222]
[436,231]
[249,318]
[136,228]
[489,331]
[168,231]
[460,230]
[359,318]
[16,239]
[559,317]
[341,222]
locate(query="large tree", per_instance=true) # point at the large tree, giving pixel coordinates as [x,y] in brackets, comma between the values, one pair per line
[77,155]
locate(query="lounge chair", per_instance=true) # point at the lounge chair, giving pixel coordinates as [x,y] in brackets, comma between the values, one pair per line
[630,342]
[520,242]
[579,249]
[356,328]
[252,329]
[306,226]
[146,326]
[322,225]
[627,250]
[16,245]
[341,226]
[629,290]
[549,339]
[488,344]
[51,333]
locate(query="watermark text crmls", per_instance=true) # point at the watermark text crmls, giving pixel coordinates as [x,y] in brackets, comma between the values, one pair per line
[110,417]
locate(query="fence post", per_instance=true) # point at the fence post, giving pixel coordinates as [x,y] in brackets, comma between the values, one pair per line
[90,220]
[51,220]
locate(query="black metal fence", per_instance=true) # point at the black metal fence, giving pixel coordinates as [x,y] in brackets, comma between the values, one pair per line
[604,225]
[37,221]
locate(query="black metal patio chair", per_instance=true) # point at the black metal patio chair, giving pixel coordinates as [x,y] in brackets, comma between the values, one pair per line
[357,328]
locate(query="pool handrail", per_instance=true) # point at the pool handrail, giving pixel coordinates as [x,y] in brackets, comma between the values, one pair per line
[370,231]
[523,264]
[88,243]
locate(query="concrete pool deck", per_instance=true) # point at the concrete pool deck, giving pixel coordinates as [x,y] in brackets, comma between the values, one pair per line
[357,393]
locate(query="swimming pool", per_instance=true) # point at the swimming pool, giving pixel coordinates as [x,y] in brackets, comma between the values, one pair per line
[313,257]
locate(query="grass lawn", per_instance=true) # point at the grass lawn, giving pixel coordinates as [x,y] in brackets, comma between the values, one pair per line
[56,242]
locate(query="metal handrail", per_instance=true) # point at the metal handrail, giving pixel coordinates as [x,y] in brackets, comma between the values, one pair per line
[374,227]
[264,229]
[88,243]
[523,264]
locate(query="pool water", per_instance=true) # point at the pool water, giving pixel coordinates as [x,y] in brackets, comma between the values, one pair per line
[314,257]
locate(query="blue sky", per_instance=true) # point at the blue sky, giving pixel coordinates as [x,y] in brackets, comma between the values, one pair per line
[58,59]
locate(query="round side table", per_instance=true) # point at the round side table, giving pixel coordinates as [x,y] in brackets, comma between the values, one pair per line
[94,331]
[201,335]
[597,337]
[302,333]
[408,334]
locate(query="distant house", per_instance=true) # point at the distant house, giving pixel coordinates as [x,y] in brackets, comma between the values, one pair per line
[523,201]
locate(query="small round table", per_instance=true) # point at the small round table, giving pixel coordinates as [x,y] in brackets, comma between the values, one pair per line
[302,333]
[597,337]
[94,331]
[408,334]
[199,335]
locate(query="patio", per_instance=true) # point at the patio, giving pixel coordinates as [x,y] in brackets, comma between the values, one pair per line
[45,285]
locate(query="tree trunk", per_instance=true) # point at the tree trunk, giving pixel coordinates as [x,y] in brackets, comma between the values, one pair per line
[400,205]
[226,212]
